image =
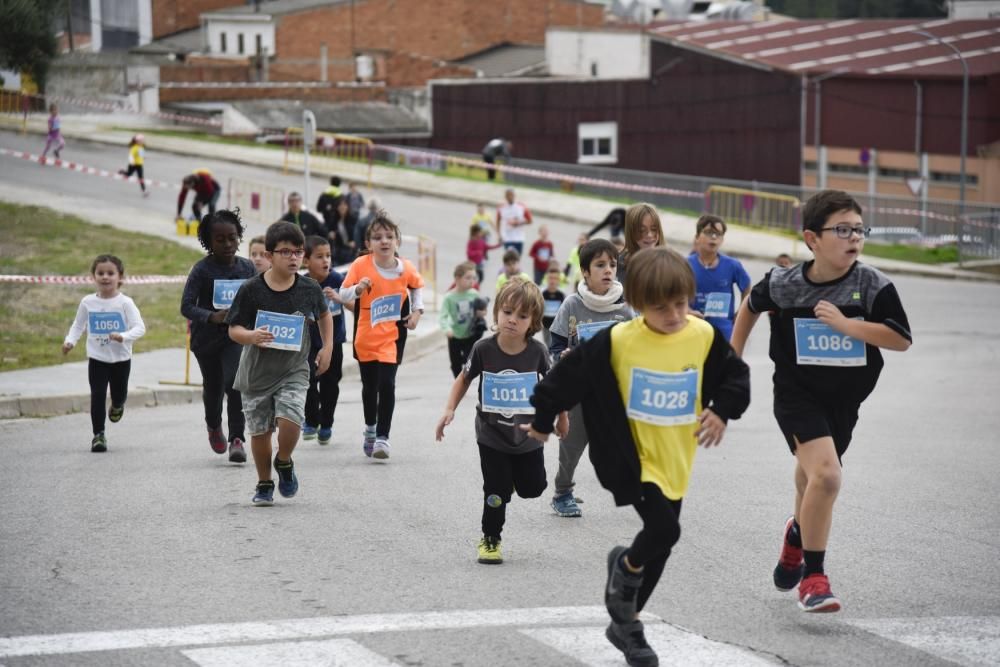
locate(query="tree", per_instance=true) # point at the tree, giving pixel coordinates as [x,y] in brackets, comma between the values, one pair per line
[27,35]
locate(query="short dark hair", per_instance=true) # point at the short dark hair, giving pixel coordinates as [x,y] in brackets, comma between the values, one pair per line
[657,275]
[709,221]
[222,216]
[335,180]
[825,203]
[593,249]
[522,296]
[313,242]
[511,255]
[111,259]
[283,232]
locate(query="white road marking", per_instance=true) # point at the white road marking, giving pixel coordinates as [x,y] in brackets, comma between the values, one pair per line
[674,645]
[301,628]
[330,653]
[966,640]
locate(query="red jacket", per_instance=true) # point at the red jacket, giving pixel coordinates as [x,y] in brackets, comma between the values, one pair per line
[203,190]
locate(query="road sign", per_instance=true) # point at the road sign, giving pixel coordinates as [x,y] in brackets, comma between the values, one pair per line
[916,185]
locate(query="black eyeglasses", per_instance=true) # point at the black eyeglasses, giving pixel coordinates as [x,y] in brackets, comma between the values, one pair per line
[845,231]
[288,252]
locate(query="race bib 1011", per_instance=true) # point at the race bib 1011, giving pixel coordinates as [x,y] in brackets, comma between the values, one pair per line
[508,393]
[286,329]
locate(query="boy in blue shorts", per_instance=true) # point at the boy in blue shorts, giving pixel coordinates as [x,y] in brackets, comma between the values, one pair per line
[829,319]
[268,317]
[716,275]
[652,389]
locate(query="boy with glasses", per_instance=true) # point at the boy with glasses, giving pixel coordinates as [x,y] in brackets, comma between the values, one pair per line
[715,275]
[830,318]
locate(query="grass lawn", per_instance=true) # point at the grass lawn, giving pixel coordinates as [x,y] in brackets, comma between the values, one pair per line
[39,241]
[913,253]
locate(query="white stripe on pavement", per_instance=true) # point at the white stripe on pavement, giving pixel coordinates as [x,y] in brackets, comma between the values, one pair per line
[330,653]
[303,628]
[674,645]
[966,640]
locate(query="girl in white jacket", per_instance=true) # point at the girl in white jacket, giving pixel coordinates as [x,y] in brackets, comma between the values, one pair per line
[112,322]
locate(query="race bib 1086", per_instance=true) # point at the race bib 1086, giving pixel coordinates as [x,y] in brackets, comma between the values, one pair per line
[663,399]
[818,344]
[286,329]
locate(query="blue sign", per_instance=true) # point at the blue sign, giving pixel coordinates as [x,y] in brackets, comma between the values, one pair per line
[717,304]
[224,291]
[287,329]
[105,323]
[386,308]
[663,399]
[587,330]
[818,344]
[551,307]
[508,393]
[335,307]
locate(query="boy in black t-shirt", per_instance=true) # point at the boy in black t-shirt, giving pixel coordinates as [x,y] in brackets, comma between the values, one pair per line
[829,318]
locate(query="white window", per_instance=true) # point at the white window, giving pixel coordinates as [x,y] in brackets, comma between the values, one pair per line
[598,143]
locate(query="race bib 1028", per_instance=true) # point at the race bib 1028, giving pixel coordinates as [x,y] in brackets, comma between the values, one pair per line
[663,399]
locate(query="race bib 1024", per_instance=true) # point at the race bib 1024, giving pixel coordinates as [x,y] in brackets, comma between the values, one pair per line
[386,308]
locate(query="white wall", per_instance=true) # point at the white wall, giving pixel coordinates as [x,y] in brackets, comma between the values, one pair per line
[973,9]
[250,30]
[614,54]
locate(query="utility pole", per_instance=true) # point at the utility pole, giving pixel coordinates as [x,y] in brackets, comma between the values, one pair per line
[69,23]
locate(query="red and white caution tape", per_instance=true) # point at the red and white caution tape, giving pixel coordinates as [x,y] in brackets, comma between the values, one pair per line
[85,169]
[109,106]
[88,280]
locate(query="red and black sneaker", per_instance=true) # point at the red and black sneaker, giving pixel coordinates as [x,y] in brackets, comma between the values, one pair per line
[788,571]
[815,595]
[217,440]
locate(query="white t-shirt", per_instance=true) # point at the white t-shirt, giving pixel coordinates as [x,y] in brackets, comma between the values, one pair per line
[99,318]
[508,214]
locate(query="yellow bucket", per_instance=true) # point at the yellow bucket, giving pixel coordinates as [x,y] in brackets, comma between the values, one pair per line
[192,228]
[182,227]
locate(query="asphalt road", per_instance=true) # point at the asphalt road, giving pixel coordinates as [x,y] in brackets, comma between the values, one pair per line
[152,553]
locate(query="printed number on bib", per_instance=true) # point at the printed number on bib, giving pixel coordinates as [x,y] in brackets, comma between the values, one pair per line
[717,304]
[818,344]
[551,307]
[386,308]
[587,330]
[335,308]
[663,399]
[224,291]
[508,393]
[105,323]
[286,329]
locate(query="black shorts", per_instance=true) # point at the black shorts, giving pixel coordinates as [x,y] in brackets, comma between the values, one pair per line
[805,418]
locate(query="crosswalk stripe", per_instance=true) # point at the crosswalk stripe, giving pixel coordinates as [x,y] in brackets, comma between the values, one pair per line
[329,653]
[966,640]
[589,646]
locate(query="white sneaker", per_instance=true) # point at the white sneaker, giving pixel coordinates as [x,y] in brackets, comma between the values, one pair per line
[381,449]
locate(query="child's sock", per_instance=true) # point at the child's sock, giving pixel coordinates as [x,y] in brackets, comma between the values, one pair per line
[814,562]
[795,535]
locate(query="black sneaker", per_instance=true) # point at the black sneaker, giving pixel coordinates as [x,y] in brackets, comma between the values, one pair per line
[631,640]
[115,413]
[621,588]
[288,483]
[264,496]
[99,443]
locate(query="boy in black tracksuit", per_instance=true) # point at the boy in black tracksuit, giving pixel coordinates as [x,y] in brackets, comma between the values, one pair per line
[652,390]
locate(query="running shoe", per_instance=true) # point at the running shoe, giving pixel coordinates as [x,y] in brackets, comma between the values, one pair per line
[324,436]
[308,432]
[621,588]
[217,440]
[380,450]
[815,596]
[369,441]
[264,497]
[788,571]
[115,413]
[237,454]
[489,551]
[565,505]
[630,639]
[99,443]
[288,483]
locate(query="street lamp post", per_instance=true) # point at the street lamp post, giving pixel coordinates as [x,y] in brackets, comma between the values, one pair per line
[817,104]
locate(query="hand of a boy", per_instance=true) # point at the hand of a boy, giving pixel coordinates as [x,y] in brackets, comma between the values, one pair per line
[562,425]
[540,437]
[827,313]
[363,286]
[412,319]
[117,337]
[261,337]
[446,418]
[218,317]
[331,294]
[66,347]
[323,360]
[711,428]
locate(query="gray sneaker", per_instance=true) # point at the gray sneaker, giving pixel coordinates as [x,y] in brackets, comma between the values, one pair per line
[621,588]
[631,640]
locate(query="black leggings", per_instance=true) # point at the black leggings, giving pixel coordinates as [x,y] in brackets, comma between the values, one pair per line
[503,474]
[378,394]
[458,352]
[324,390]
[660,531]
[136,169]
[101,374]
[218,370]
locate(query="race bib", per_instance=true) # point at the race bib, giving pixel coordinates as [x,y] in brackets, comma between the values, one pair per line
[287,329]
[818,344]
[508,393]
[335,307]
[551,307]
[543,254]
[717,304]
[105,323]
[224,291]
[587,330]
[663,399]
[386,308]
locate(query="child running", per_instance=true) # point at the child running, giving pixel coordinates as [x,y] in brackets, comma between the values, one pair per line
[268,318]
[716,275]
[55,136]
[553,298]
[511,269]
[478,247]
[324,390]
[389,292]
[830,317]
[258,254]
[643,229]
[597,304]
[541,252]
[112,323]
[508,365]
[457,315]
[136,160]
[652,389]
[209,292]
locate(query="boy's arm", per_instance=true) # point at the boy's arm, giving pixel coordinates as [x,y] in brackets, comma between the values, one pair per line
[561,388]
[725,389]
[745,320]
[558,345]
[325,323]
[873,333]
[455,396]
[447,319]
[189,300]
